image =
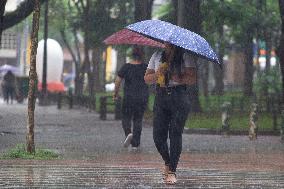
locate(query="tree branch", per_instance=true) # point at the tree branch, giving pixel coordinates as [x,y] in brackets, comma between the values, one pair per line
[68,45]
[23,11]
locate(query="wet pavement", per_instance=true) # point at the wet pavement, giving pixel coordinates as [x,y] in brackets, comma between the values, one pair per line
[93,156]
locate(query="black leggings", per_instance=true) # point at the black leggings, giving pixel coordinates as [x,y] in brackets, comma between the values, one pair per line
[170,114]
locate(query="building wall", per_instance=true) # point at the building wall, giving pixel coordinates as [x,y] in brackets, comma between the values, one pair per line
[8,48]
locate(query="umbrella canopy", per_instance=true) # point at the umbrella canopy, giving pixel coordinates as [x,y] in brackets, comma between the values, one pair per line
[147,31]
[164,31]
[6,68]
[126,36]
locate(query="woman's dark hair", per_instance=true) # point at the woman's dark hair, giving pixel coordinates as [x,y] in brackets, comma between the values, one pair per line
[137,54]
[177,62]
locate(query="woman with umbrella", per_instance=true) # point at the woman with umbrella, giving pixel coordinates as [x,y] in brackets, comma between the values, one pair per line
[172,70]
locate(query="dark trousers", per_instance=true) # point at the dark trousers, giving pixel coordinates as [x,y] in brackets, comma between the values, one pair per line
[9,93]
[170,113]
[132,111]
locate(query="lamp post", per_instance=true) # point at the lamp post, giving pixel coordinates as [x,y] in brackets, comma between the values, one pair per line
[44,69]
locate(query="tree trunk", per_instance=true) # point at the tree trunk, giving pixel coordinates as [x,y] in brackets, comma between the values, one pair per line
[75,60]
[204,71]
[181,13]
[175,11]
[79,82]
[96,61]
[143,10]
[218,72]
[87,41]
[280,50]
[191,9]
[2,10]
[121,58]
[248,52]
[32,79]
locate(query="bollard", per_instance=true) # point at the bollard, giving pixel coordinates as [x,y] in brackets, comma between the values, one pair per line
[208,104]
[93,102]
[117,110]
[253,117]
[225,108]
[242,104]
[70,95]
[233,100]
[103,107]
[274,112]
[282,123]
[59,99]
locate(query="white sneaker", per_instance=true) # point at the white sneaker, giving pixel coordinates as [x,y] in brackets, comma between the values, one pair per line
[134,149]
[127,141]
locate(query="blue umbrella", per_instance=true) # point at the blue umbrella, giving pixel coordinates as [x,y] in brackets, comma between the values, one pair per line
[6,68]
[167,32]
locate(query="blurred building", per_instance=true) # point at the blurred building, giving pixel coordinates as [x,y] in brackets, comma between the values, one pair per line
[8,48]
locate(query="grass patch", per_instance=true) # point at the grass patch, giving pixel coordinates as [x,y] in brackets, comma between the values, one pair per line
[237,121]
[19,152]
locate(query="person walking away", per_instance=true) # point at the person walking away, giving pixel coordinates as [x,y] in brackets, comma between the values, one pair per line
[135,97]
[9,86]
[171,70]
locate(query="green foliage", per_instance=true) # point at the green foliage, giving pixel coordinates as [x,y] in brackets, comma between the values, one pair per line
[19,152]
[269,81]
[165,12]
[109,17]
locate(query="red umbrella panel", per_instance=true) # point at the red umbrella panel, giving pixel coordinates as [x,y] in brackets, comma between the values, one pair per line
[126,36]
[53,86]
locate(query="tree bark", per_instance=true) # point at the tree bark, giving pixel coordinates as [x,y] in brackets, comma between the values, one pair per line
[248,52]
[204,71]
[191,9]
[175,11]
[32,79]
[75,60]
[143,10]
[218,72]
[280,50]
[87,45]
[97,69]
[121,58]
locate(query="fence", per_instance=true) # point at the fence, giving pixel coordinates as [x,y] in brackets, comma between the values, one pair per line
[240,105]
[106,103]
[269,104]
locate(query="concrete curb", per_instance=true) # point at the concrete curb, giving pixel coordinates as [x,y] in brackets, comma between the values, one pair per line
[233,132]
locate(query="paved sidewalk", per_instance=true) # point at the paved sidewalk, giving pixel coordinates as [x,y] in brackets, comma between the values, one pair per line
[81,174]
[94,157]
